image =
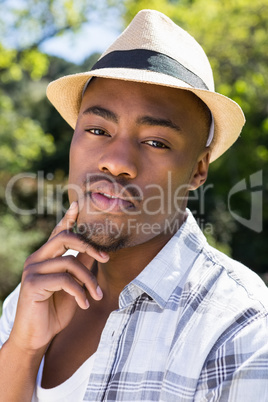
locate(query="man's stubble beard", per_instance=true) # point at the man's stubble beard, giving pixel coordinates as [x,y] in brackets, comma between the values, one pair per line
[107,242]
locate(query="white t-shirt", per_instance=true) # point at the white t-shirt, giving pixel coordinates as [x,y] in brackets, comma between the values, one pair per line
[71,390]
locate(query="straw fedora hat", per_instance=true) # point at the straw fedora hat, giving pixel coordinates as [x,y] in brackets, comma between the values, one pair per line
[154,50]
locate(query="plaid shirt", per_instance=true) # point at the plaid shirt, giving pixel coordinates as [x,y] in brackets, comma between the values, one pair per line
[193,326]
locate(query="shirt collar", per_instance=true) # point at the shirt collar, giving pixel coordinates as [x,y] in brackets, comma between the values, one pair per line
[170,266]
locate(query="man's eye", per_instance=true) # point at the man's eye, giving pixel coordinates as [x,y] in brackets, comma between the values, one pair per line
[96,131]
[156,144]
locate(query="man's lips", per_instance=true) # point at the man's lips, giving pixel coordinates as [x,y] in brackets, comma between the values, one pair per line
[111,197]
[109,204]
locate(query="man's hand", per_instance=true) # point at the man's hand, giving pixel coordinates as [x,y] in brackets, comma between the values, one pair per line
[53,286]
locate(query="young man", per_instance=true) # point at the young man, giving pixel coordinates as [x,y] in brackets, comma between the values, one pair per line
[144,309]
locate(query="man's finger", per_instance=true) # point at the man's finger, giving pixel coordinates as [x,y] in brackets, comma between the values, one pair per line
[70,265]
[68,221]
[59,244]
[51,283]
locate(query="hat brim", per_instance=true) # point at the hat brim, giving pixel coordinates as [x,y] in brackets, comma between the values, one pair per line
[66,95]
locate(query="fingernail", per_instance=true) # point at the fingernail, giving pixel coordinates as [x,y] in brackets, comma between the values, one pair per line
[87,303]
[103,254]
[73,205]
[99,292]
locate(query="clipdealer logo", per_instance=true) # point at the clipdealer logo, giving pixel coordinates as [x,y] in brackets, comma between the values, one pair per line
[49,198]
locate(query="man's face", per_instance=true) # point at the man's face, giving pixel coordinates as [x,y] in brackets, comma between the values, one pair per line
[136,152]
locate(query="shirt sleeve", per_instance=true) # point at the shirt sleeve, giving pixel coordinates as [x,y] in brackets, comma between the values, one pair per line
[8,315]
[238,369]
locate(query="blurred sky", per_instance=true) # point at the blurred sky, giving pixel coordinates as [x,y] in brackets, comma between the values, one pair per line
[103,26]
[93,37]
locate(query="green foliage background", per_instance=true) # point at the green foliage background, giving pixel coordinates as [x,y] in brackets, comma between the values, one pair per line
[33,137]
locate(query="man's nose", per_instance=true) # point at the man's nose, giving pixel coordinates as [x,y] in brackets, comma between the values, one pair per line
[119,157]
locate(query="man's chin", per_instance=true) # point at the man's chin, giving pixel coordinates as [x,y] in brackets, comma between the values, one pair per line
[101,240]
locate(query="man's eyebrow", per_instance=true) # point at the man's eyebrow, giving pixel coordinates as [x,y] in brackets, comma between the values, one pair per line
[154,121]
[102,112]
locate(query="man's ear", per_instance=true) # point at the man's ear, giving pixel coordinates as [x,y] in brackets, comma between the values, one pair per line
[200,172]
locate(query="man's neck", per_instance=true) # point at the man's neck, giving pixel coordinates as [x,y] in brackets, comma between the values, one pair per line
[126,264]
